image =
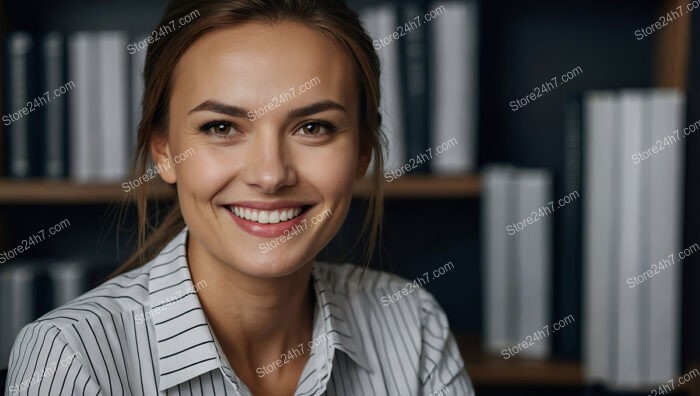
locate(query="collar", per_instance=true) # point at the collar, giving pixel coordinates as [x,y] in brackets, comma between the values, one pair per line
[339,322]
[187,347]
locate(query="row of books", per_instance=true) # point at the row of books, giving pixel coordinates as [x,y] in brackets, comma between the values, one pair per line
[633,154]
[616,225]
[517,224]
[30,288]
[73,102]
[429,58]
[72,105]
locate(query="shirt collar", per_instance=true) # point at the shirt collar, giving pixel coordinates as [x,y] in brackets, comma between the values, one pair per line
[173,298]
[175,309]
[342,332]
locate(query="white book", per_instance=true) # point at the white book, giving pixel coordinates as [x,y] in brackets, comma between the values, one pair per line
[454,87]
[138,61]
[631,257]
[69,280]
[113,125]
[600,186]
[85,150]
[533,261]
[380,21]
[17,303]
[54,122]
[497,213]
[664,234]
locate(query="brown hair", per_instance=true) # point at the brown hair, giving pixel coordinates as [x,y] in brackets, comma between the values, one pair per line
[329,17]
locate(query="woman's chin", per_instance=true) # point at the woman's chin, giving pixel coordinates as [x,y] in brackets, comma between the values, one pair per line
[272,265]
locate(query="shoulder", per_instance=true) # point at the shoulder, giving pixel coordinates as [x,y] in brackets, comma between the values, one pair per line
[398,319]
[67,336]
[127,292]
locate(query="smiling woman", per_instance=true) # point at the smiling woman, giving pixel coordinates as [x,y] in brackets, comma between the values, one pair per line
[250,183]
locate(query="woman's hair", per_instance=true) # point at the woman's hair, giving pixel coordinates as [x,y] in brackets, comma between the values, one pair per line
[332,18]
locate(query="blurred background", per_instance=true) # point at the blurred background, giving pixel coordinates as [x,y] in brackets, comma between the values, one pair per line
[525,182]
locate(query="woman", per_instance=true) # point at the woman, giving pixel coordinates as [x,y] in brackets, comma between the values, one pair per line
[276,103]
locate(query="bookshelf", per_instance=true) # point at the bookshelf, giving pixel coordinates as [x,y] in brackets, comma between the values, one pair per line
[490,370]
[66,192]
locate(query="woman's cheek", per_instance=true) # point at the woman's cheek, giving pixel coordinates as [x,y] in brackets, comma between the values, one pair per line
[207,171]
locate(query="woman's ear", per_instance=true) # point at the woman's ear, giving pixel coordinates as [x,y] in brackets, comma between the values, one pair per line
[160,152]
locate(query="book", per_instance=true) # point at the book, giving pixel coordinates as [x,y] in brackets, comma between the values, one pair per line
[498,256]
[84,108]
[691,195]
[112,90]
[413,44]
[21,119]
[380,21]
[454,41]
[567,269]
[69,279]
[664,234]
[21,300]
[54,78]
[138,61]
[630,254]
[533,261]
[601,183]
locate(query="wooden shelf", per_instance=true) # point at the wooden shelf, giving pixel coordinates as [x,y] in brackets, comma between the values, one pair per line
[427,186]
[66,192]
[488,369]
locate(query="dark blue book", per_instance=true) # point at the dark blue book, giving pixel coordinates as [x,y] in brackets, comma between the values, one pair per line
[567,269]
[415,68]
[21,119]
[691,264]
[55,89]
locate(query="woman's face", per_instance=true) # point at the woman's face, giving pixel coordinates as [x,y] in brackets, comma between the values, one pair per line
[269,114]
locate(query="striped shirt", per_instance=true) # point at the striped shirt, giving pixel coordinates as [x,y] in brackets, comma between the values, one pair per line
[145,333]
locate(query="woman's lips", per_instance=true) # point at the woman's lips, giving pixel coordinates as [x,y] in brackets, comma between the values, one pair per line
[267,219]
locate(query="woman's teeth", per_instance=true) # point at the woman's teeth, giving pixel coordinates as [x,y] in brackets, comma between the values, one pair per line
[265,216]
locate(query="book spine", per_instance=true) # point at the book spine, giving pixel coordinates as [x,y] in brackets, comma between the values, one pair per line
[533,263]
[19,108]
[568,271]
[54,125]
[83,136]
[112,84]
[667,111]
[631,257]
[138,61]
[413,39]
[380,22]
[498,246]
[453,131]
[600,227]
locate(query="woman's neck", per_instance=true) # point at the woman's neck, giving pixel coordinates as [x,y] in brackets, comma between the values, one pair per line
[255,320]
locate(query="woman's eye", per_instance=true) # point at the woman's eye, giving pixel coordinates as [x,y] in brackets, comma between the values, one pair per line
[219,128]
[316,129]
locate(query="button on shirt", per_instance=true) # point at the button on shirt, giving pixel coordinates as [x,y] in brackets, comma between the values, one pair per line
[145,333]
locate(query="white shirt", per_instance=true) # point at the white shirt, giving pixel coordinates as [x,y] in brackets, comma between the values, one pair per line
[145,333]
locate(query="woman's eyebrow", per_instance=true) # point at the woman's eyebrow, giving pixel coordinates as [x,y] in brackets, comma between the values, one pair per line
[316,108]
[218,107]
[236,111]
